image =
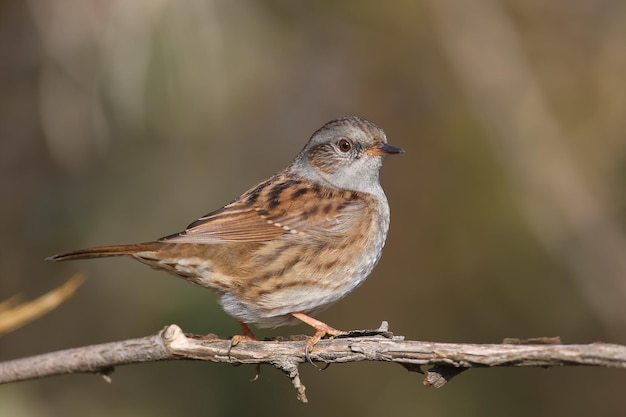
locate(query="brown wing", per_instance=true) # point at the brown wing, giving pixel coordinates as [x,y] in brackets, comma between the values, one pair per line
[284,204]
[235,222]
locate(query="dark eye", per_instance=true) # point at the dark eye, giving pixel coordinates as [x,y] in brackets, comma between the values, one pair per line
[344,145]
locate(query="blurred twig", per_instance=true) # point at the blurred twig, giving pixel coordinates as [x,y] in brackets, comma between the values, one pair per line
[447,359]
[14,315]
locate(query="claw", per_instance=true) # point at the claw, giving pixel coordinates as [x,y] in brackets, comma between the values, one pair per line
[322,328]
[247,336]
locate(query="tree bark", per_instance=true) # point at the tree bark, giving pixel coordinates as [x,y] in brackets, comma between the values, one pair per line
[446,359]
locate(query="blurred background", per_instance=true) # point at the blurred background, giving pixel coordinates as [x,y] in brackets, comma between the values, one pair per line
[123,121]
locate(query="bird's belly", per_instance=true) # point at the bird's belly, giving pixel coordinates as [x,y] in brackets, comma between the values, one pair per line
[308,286]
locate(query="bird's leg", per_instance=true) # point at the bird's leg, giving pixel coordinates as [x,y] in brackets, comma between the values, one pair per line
[247,336]
[322,328]
[247,331]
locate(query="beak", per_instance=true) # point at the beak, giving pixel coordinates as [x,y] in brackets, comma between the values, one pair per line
[384,149]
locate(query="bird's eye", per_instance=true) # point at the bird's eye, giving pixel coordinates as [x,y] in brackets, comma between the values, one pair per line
[344,145]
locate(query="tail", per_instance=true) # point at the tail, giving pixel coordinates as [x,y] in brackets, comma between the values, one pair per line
[104,251]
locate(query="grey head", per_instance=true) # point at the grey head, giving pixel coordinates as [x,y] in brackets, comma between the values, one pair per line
[346,153]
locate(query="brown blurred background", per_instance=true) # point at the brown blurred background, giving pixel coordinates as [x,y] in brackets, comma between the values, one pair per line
[123,121]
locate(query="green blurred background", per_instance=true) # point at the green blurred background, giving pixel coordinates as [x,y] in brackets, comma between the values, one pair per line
[123,121]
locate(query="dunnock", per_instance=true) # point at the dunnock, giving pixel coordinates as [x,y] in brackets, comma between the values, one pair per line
[292,245]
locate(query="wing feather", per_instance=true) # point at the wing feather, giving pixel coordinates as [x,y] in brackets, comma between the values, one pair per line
[232,223]
[281,205]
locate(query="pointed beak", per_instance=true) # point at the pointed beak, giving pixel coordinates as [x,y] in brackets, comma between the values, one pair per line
[384,149]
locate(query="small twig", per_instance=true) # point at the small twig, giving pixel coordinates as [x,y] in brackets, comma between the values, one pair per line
[446,359]
[14,314]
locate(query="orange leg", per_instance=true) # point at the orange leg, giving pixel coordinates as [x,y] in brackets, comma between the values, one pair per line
[247,336]
[322,328]
[247,331]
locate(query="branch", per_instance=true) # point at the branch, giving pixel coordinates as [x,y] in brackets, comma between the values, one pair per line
[14,314]
[446,359]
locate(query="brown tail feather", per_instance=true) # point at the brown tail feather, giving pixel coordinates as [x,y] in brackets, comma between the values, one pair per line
[104,251]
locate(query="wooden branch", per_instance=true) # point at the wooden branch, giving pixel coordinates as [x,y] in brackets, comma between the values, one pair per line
[14,314]
[446,359]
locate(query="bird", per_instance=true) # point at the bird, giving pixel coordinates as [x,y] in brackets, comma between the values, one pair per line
[292,245]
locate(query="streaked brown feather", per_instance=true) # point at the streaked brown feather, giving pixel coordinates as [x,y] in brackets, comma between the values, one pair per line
[270,210]
[105,251]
